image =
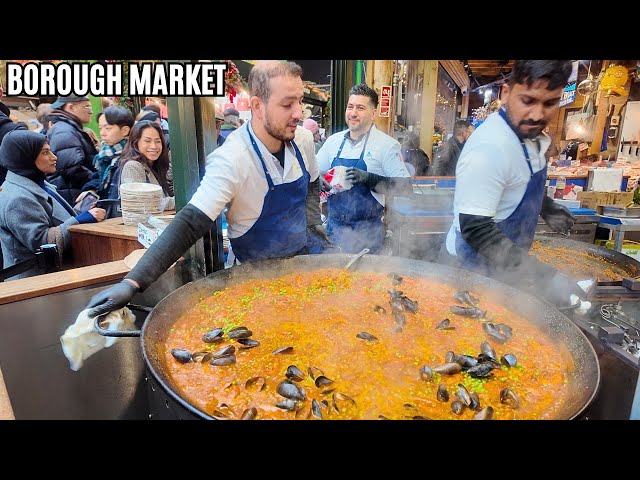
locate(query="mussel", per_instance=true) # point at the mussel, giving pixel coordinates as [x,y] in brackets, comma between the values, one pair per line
[426,373]
[445,325]
[509,360]
[213,336]
[481,370]
[223,361]
[485,414]
[248,343]
[240,332]
[367,336]
[379,309]
[450,368]
[290,390]
[507,397]
[283,350]
[323,381]
[472,312]
[442,394]
[457,407]
[249,414]
[181,355]
[464,296]
[294,374]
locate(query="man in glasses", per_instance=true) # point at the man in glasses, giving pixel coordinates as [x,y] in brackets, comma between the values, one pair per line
[71,144]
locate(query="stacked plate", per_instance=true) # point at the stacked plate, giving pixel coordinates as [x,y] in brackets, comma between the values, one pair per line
[139,200]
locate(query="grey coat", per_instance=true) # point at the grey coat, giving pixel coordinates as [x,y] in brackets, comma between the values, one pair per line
[29,218]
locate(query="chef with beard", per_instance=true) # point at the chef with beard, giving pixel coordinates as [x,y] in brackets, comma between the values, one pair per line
[500,186]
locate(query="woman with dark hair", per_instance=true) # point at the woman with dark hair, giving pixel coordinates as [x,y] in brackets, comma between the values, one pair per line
[32,213]
[145,159]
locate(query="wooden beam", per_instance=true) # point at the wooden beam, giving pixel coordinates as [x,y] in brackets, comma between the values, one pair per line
[382,75]
[428,109]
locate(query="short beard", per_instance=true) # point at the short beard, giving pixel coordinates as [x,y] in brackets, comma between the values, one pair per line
[530,134]
[279,134]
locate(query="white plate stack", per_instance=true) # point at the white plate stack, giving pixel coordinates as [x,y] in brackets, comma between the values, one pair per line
[139,200]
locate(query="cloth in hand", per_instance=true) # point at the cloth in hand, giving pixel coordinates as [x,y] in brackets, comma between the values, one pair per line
[81,340]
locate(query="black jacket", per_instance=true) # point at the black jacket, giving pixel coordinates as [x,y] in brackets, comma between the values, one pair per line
[446,159]
[75,152]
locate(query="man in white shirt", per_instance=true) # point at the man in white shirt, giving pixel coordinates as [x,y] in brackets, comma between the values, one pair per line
[269,183]
[374,165]
[500,182]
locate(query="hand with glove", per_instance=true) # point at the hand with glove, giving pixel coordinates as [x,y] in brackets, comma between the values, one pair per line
[321,232]
[557,216]
[559,288]
[113,298]
[324,185]
[355,175]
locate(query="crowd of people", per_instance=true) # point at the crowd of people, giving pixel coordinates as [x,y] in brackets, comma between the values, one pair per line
[63,174]
[266,175]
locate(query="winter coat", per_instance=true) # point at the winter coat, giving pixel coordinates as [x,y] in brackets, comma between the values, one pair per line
[75,152]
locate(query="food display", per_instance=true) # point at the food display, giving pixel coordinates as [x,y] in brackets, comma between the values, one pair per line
[579,264]
[338,344]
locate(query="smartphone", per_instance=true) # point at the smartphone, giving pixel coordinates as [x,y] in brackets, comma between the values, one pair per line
[86,203]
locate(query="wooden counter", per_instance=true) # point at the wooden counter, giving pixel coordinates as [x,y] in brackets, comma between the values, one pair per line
[39,285]
[108,241]
[6,412]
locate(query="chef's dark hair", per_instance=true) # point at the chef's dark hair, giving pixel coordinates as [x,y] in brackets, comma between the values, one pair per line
[119,116]
[556,72]
[366,91]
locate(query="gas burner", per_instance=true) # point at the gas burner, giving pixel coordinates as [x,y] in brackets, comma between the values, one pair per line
[628,333]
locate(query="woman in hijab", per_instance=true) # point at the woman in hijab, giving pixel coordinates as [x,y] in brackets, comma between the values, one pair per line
[32,213]
[145,159]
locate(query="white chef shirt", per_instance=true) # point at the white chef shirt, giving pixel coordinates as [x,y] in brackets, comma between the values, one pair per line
[382,156]
[492,173]
[234,176]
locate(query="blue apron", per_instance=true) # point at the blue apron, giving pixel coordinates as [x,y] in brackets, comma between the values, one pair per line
[355,215]
[281,228]
[519,227]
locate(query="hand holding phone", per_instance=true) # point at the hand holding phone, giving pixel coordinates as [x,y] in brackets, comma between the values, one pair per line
[86,203]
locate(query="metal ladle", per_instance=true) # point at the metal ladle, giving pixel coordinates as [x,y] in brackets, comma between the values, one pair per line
[356,258]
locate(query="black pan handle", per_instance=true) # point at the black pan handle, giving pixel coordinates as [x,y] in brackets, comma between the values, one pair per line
[121,333]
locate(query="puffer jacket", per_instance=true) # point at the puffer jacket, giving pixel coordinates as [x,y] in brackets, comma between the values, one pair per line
[75,152]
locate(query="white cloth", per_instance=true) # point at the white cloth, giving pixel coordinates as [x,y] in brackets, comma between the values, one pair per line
[81,340]
[492,173]
[234,176]
[382,156]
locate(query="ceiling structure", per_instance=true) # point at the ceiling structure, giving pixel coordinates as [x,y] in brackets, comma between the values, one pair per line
[488,72]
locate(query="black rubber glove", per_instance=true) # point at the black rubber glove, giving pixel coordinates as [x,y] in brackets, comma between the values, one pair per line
[111,299]
[324,185]
[557,216]
[355,175]
[320,231]
[559,288]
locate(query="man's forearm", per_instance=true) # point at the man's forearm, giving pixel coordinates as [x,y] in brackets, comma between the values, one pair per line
[313,203]
[483,235]
[189,225]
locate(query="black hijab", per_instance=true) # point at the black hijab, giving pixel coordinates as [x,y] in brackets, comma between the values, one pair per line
[19,151]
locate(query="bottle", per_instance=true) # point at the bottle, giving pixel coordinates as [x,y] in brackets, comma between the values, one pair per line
[560,184]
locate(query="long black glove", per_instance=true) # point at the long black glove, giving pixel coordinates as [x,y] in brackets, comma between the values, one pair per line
[395,186]
[321,232]
[557,216]
[513,264]
[111,299]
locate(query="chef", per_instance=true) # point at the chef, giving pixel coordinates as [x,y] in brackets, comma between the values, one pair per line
[269,181]
[374,166]
[500,185]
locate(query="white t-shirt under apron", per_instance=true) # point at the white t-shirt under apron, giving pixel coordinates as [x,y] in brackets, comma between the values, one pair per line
[492,173]
[234,176]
